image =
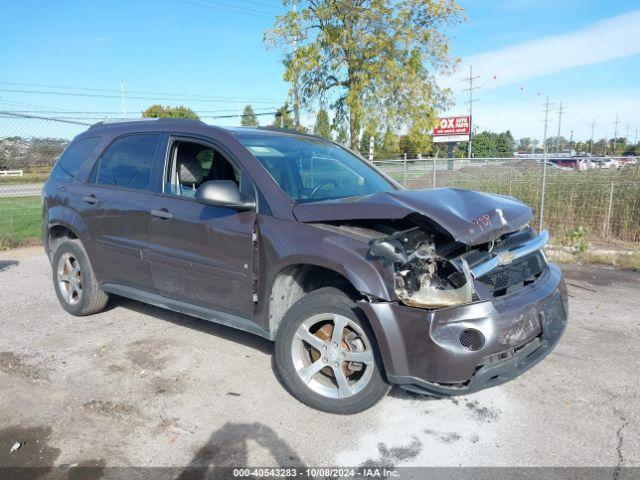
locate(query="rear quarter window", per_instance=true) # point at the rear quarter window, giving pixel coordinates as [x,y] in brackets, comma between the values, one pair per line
[73,157]
[128,161]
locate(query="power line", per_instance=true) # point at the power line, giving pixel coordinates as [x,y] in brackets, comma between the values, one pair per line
[74,120]
[132,97]
[229,9]
[520,95]
[10,114]
[101,112]
[142,92]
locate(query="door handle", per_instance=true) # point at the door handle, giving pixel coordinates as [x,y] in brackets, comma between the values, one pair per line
[90,199]
[162,213]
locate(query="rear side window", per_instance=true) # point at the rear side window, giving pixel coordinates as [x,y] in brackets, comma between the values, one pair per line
[73,158]
[127,162]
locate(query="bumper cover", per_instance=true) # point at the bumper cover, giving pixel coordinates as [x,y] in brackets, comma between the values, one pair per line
[422,351]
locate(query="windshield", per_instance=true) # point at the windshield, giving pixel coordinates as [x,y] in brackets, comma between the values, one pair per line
[310,169]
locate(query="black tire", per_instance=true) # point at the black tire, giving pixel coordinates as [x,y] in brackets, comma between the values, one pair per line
[92,298]
[327,300]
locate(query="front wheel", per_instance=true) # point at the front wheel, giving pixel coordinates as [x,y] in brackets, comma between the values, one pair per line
[327,355]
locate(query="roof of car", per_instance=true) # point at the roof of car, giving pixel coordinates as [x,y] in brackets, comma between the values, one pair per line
[182,123]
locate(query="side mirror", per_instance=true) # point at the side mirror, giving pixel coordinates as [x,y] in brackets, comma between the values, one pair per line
[224,193]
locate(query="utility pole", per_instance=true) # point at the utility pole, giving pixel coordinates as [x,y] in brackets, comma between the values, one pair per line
[615,135]
[571,144]
[560,110]
[122,102]
[636,140]
[544,163]
[296,100]
[471,100]
[593,125]
[626,138]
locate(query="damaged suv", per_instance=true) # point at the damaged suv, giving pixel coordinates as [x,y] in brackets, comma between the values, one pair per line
[360,283]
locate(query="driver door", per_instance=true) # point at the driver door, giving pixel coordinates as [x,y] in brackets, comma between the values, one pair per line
[200,254]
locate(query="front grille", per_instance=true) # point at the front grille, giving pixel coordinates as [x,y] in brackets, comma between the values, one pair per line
[511,241]
[501,278]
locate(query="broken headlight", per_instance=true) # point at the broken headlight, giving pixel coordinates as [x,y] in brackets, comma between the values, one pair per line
[422,277]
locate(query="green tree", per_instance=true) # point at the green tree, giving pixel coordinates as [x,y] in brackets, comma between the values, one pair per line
[390,143]
[415,143]
[373,58]
[249,118]
[282,118]
[342,134]
[322,127]
[365,141]
[485,145]
[525,144]
[159,111]
[504,144]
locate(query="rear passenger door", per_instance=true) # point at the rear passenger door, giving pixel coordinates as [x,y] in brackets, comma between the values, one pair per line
[118,197]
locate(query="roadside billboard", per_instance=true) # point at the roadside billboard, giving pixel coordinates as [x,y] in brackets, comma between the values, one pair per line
[452,129]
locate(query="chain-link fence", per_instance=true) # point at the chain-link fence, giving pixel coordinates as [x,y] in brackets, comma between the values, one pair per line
[29,147]
[601,195]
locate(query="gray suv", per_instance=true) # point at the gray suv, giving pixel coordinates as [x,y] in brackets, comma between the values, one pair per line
[360,283]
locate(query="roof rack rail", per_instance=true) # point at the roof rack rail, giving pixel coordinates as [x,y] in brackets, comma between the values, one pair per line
[110,121]
[115,121]
[284,130]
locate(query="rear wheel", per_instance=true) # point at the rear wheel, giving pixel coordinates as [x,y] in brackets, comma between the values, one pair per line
[327,355]
[76,286]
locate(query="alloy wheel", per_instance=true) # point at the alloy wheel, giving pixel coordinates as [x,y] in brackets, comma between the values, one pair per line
[332,355]
[69,278]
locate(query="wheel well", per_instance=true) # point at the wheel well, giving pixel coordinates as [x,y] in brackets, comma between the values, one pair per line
[295,281]
[56,232]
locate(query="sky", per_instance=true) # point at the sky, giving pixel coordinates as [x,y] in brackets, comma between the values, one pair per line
[71,56]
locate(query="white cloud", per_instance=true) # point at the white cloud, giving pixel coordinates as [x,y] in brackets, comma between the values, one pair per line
[609,39]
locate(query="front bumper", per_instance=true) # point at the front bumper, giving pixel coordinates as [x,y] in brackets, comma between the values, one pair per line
[422,350]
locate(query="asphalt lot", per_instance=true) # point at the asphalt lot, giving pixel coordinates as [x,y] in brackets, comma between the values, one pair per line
[20,189]
[137,385]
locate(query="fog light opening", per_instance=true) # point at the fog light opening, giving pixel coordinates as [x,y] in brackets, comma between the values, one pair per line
[472,339]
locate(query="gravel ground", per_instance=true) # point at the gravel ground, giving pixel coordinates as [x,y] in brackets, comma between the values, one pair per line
[140,386]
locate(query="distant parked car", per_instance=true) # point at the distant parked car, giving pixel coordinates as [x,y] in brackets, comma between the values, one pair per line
[628,161]
[552,164]
[609,163]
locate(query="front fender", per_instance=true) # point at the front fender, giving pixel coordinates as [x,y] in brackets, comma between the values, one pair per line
[283,243]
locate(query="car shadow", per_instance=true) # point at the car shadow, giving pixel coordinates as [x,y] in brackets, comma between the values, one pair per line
[228,333]
[205,326]
[7,264]
[399,393]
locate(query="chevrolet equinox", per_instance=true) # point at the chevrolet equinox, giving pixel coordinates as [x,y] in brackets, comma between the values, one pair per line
[361,283]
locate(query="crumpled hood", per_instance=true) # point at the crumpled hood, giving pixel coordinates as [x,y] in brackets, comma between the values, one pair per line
[469,217]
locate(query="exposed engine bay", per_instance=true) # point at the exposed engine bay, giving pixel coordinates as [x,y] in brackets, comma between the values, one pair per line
[432,270]
[423,276]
